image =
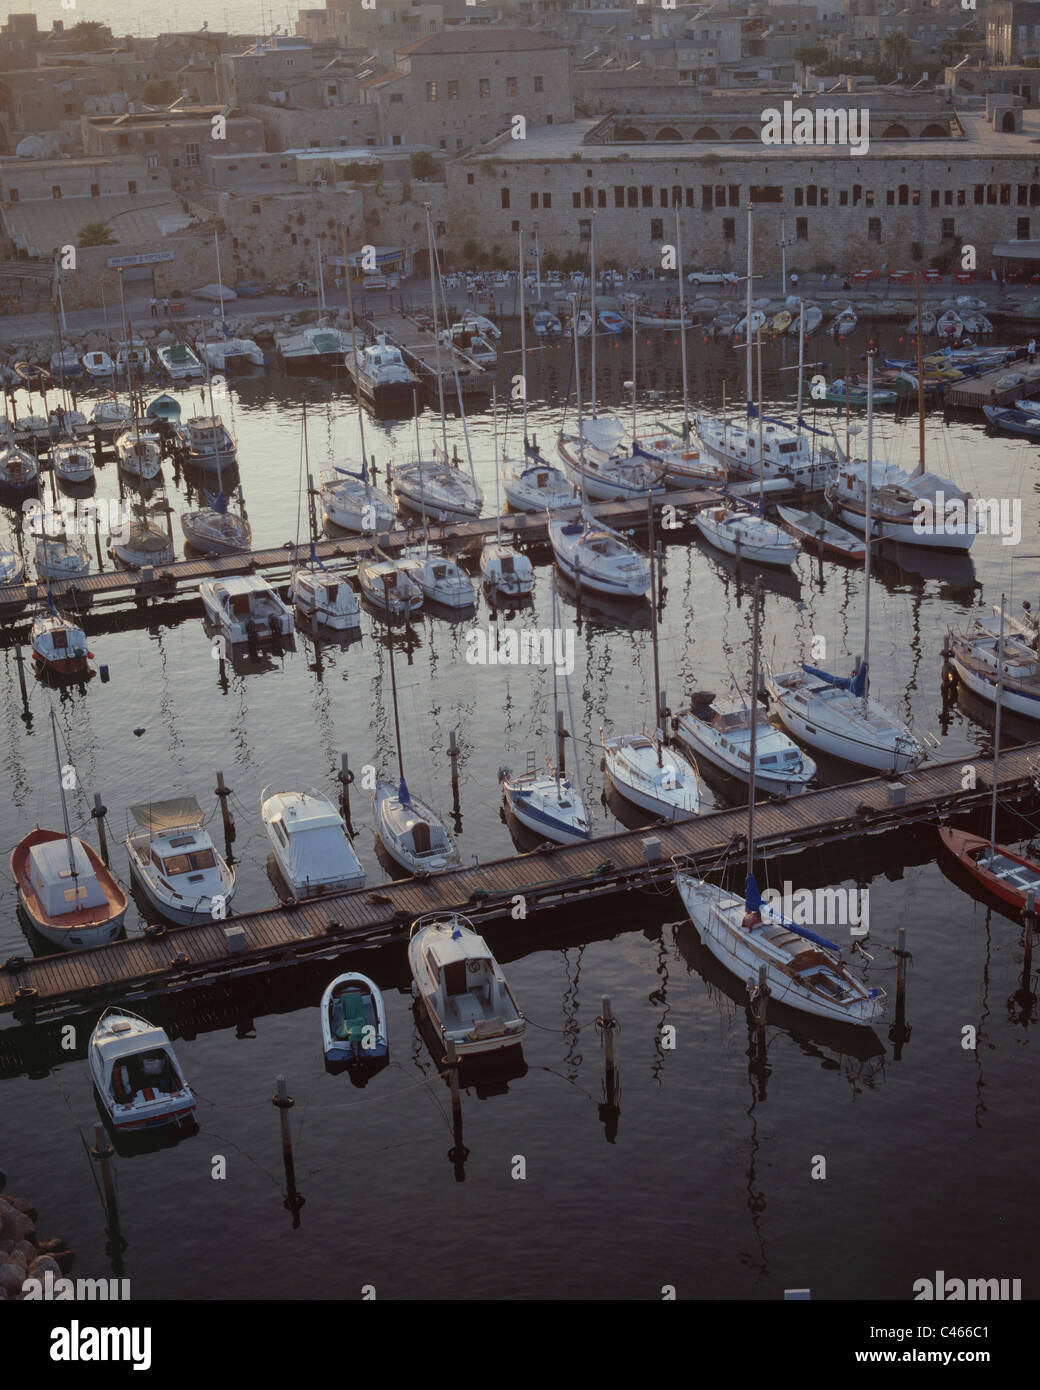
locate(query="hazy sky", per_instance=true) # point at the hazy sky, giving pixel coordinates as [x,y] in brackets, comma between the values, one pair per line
[131,17]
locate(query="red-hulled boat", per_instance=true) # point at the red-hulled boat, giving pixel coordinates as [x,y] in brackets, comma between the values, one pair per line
[59,647]
[1004,873]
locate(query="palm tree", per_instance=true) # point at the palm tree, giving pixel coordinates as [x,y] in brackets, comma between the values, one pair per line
[95,234]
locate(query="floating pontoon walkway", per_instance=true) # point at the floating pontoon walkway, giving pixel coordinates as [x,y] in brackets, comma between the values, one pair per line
[419,349]
[976,391]
[183,957]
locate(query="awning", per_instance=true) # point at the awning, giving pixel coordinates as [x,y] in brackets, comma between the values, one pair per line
[1017,250]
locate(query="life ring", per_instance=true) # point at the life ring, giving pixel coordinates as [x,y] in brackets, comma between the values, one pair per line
[25,992]
[473,966]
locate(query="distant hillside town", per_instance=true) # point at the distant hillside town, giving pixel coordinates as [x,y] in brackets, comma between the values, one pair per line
[518,114]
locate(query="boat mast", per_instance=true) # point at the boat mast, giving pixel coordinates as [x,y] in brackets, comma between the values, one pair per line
[592,304]
[634,375]
[747,321]
[801,360]
[523,337]
[556,704]
[321,282]
[353,345]
[436,336]
[64,807]
[761,428]
[920,380]
[996,735]
[754,727]
[494,430]
[393,689]
[577,387]
[682,330]
[658,730]
[220,285]
[869,517]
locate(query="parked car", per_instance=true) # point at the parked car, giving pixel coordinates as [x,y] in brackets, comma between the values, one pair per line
[712,277]
[250,289]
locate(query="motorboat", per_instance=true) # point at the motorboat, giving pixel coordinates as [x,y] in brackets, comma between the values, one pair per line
[412,834]
[441,579]
[1001,871]
[242,607]
[927,324]
[230,354]
[647,773]
[179,362]
[595,558]
[546,324]
[949,325]
[720,733]
[844,323]
[813,317]
[353,1022]
[547,802]
[750,448]
[140,455]
[315,346]
[506,570]
[461,987]
[351,502]
[209,443]
[325,598]
[389,585]
[835,715]
[612,322]
[981,665]
[311,845]
[823,537]
[98,365]
[174,863]
[136,1074]
[12,567]
[803,970]
[746,535]
[59,646]
[382,376]
[134,359]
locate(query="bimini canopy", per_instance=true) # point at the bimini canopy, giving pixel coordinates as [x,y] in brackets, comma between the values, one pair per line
[159,817]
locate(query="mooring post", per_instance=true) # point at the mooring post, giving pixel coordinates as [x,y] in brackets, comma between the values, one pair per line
[226,816]
[561,743]
[458,1152]
[102,1151]
[345,779]
[311,509]
[99,813]
[761,1006]
[284,1102]
[453,754]
[610,1110]
[900,975]
[97,540]
[19,661]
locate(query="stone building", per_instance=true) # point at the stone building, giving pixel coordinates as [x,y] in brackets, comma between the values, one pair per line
[457,88]
[1012,30]
[174,140]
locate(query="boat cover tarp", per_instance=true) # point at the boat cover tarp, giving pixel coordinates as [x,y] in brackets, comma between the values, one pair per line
[158,817]
[855,684]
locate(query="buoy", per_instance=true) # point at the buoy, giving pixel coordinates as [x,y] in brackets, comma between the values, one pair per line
[103,673]
[138,732]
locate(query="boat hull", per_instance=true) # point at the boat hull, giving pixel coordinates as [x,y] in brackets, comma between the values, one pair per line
[97,927]
[968,850]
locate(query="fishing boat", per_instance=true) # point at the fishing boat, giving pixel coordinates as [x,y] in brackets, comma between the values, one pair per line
[137,1075]
[324,598]
[59,646]
[164,408]
[98,365]
[59,556]
[720,733]
[949,325]
[311,845]
[461,987]
[174,863]
[65,889]
[243,607]
[179,362]
[823,537]
[1024,422]
[389,585]
[926,321]
[736,530]
[12,567]
[209,443]
[19,471]
[140,454]
[1002,872]
[811,316]
[111,417]
[546,325]
[353,503]
[381,375]
[353,1022]
[72,461]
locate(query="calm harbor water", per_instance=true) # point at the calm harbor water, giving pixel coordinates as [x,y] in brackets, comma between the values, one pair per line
[704,1180]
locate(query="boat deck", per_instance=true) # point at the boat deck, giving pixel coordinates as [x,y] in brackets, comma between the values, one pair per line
[183,957]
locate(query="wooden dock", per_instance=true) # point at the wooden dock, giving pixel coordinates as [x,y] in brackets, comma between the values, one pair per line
[275,564]
[419,349]
[168,959]
[977,391]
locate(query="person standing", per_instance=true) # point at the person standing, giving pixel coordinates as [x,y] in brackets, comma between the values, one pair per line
[153,304]
[166,307]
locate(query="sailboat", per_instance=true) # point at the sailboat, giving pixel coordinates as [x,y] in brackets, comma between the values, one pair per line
[985,664]
[741,532]
[388,584]
[59,646]
[547,801]
[67,892]
[592,555]
[836,714]
[59,555]
[529,482]
[441,579]
[412,834]
[901,498]
[641,768]
[803,970]
[1004,872]
[760,444]
[215,529]
[436,487]
[725,732]
[505,569]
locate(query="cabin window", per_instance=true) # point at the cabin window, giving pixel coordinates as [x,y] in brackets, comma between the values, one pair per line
[177,864]
[72,895]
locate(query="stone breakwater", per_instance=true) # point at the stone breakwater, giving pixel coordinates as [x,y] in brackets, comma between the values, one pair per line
[23,1253]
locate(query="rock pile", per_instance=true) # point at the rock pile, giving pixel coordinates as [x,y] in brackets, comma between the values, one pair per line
[23,1255]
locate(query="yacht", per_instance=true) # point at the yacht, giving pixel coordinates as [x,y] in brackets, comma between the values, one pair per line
[209,443]
[899,500]
[140,455]
[244,606]
[352,502]
[137,1075]
[382,376]
[179,362]
[720,733]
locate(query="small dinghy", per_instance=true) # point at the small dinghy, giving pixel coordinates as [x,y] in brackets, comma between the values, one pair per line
[174,863]
[353,1022]
[1003,872]
[412,834]
[1013,421]
[165,408]
[137,1075]
[65,365]
[822,537]
[310,842]
[546,325]
[98,364]
[461,986]
[781,322]
[949,324]
[611,322]
[927,323]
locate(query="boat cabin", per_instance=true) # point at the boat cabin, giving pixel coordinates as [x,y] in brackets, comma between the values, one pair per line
[60,891]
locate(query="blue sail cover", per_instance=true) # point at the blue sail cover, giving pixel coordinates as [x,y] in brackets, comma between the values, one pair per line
[218,503]
[363,475]
[753,902]
[803,423]
[645,453]
[402,793]
[531,451]
[856,684]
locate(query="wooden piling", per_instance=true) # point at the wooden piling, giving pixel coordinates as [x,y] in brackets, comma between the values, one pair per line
[453,754]
[19,661]
[102,1152]
[284,1102]
[99,813]
[345,778]
[900,972]
[226,815]
[761,1006]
